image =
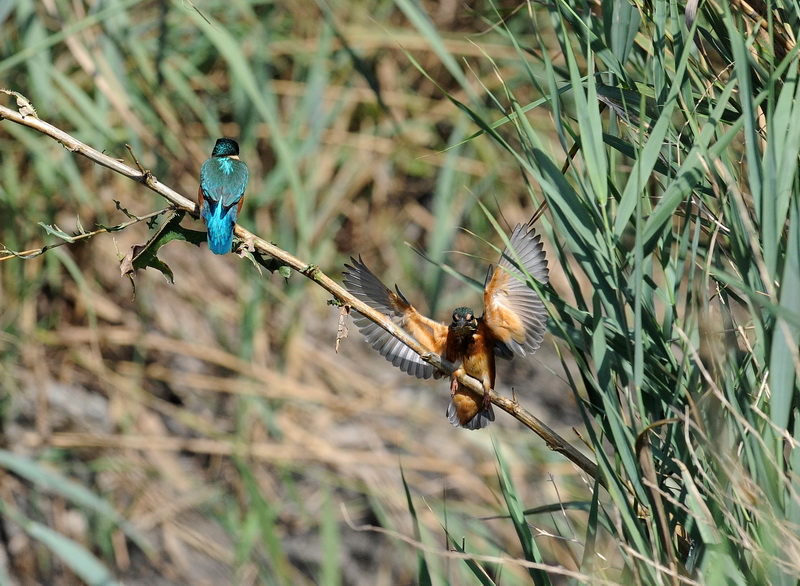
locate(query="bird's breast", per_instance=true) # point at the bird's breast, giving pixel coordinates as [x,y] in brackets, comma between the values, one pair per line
[475,356]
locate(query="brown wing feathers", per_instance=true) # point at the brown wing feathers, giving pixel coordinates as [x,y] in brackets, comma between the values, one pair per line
[513,311]
[364,285]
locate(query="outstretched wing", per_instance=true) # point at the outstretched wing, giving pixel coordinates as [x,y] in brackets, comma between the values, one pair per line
[364,285]
[513,311]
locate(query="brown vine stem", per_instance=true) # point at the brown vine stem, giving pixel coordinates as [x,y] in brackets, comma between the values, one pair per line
[512,407]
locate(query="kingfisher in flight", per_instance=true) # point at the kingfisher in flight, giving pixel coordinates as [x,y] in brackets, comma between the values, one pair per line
[223,179]
[513,323]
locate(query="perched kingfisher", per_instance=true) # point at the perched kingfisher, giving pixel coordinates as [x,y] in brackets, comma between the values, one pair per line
[223,179]
[513,322]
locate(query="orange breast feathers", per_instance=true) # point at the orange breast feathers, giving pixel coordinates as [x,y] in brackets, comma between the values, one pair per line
[475,356]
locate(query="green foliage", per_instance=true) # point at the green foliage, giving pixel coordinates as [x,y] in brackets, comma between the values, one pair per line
[529,548]
[679,248]
[146,255]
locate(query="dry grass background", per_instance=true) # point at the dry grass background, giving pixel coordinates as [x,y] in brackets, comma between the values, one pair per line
[214,414]
[207,432]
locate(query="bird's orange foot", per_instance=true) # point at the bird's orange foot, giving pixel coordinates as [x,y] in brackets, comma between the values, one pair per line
[453,386]
[487,401]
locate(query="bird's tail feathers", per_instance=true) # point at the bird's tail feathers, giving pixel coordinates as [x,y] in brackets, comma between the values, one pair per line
[482,419]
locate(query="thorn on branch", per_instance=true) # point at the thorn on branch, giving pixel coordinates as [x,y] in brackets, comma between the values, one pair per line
[136,160]
[147,176]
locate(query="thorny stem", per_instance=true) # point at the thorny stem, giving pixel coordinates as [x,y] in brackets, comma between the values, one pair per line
[552,439]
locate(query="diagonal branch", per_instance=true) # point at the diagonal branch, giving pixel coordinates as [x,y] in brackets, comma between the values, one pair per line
[512,407]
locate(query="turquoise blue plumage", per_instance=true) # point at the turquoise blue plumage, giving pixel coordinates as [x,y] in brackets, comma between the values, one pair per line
[223,179]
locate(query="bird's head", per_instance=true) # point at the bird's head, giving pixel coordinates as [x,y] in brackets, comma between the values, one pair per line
[464,322]
[225,147]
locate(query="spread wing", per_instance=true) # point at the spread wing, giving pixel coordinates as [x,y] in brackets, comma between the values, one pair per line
[364,285]
[513,311]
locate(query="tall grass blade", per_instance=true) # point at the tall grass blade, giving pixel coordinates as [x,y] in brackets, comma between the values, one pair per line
[423,573]
[73,555]
[530,549]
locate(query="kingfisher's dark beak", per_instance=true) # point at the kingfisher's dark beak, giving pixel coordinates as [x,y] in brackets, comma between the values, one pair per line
[463,326]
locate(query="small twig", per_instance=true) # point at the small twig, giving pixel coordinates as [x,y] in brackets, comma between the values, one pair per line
[34,252]
[135,160]
[553,440]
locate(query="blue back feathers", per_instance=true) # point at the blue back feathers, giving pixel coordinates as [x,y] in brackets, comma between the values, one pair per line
[223,179]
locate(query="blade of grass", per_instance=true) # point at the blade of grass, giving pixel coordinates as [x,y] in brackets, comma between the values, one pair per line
[530,549]
[423,573]
[74,556]
[55,483]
